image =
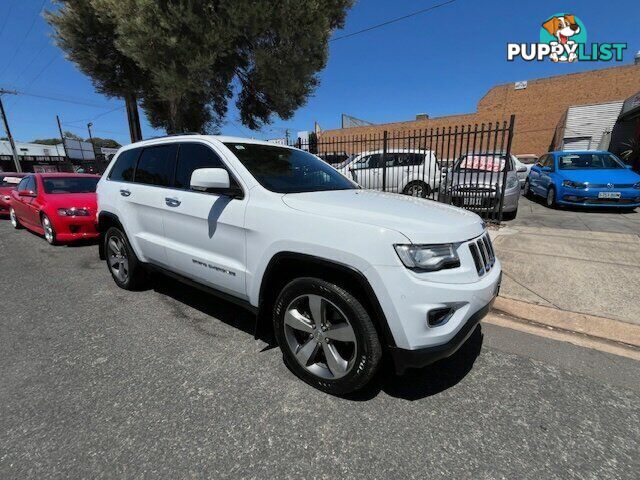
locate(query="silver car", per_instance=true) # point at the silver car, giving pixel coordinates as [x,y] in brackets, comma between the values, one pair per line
[475,182]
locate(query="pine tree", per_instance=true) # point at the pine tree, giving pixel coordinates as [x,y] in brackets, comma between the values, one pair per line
[186,59]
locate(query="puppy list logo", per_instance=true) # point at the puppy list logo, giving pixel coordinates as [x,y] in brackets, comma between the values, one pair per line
[563,38]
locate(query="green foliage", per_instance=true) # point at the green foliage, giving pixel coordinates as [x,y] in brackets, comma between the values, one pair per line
[104,142]
[187,59]
[47,141]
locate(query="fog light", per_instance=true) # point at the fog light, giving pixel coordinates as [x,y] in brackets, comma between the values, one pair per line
[439,316]
[571,198]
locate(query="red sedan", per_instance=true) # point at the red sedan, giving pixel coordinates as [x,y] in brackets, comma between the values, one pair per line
[8,181]
[60,206]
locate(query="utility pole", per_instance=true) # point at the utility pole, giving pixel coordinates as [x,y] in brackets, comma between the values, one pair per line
[286,135]
[89,125]
[133,118]
[16,160]
[64,145]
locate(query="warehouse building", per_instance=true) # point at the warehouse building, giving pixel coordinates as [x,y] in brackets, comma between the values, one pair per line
[539,105]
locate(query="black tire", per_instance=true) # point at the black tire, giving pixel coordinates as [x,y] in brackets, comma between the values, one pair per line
[526,190]
[15,223]
[366,352]
[49,231]
[510,215]
[550,199]
[423,189]
[134,276]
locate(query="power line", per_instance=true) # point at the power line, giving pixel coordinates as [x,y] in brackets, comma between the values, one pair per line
[393,20]
[15,52]
[35,57]
[6,18]
[92,119]
[74,101]
[33,80]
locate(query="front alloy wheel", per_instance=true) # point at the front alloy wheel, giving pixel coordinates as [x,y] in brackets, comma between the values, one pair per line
[326,336]
[320,336]
[551,198]
[118,259]
[49,232]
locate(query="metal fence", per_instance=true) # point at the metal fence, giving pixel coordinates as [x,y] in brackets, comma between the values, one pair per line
[464,166]
[42,164]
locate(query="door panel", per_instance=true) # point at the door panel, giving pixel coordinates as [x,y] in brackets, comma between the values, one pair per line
[205,239]
[205,235]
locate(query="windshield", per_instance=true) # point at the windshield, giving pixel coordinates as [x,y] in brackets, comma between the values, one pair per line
[286,170]
[591,161]
[482,163]
[9,181]
[70,184]
[528,160]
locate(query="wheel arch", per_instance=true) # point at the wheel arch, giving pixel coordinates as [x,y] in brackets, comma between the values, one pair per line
[106,220]
[285,266]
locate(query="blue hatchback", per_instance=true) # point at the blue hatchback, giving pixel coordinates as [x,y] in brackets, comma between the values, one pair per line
[585,178]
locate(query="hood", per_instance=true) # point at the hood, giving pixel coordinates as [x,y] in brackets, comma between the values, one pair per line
[420,220]
[615,176]
[68,200]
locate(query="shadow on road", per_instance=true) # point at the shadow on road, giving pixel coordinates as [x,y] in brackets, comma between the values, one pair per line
[621,210]
[420,383]
[414,385]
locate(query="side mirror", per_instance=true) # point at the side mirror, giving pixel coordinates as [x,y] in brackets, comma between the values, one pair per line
[27,193]
[629,167]
[546,169]
[522,169]
[214,180]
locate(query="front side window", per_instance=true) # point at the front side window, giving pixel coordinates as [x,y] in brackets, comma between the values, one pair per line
[125,165]
[286,170]
[31,184]
[23,184]
[156,165]
[61,185]
[589,161]
[370,161]
[192,156]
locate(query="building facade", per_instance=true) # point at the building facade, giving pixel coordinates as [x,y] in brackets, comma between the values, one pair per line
[539,106]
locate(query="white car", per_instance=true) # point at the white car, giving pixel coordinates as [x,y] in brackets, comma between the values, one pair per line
[523,164]
[409,171]
[341,274]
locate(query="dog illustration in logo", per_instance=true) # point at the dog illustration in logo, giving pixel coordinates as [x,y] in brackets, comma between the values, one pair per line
[563,28]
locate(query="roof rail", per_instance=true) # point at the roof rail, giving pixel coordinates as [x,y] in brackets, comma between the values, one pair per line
[174,135]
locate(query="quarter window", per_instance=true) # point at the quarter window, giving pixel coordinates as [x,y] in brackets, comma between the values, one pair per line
[31,184]
[156,165]
[23,184]
[125,165]
[192,156]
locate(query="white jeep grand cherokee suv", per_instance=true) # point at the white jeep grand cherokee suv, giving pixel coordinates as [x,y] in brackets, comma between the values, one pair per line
[341,274]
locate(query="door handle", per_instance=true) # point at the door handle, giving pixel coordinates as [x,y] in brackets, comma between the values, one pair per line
[172,202]
[125,193]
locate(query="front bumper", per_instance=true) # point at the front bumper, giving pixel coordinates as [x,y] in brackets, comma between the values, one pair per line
[421,357]
[407,298]
[486,201]
[629,197]
[4,206]
[71,229]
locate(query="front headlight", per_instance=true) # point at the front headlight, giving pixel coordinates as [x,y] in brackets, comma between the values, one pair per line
[73,212]
[428,258]
[572,184]
[512,182]
[636,185]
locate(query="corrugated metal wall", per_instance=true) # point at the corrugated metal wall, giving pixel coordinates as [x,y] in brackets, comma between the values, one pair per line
[586,124]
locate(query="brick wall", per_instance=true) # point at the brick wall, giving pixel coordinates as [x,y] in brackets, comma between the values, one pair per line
[538,108]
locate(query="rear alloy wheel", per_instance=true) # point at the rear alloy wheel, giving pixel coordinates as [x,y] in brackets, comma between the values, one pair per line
[417,189]
[122,262]
[14,219]
[551,198]
[49,232]
[326,336]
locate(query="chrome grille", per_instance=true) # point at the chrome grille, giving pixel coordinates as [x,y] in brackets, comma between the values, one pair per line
[482,252]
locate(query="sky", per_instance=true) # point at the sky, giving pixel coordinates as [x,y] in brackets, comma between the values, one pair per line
[440,62]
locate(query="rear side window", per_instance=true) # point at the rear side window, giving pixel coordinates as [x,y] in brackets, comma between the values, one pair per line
[125,165]
[156,165]
[191,157]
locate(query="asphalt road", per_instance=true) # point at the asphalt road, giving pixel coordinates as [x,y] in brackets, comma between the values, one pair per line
[102,383]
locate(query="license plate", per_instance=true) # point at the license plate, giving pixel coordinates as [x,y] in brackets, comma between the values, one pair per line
[472,200]
[609,195]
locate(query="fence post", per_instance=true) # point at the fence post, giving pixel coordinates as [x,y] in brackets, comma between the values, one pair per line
[504,177]
[384,161]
